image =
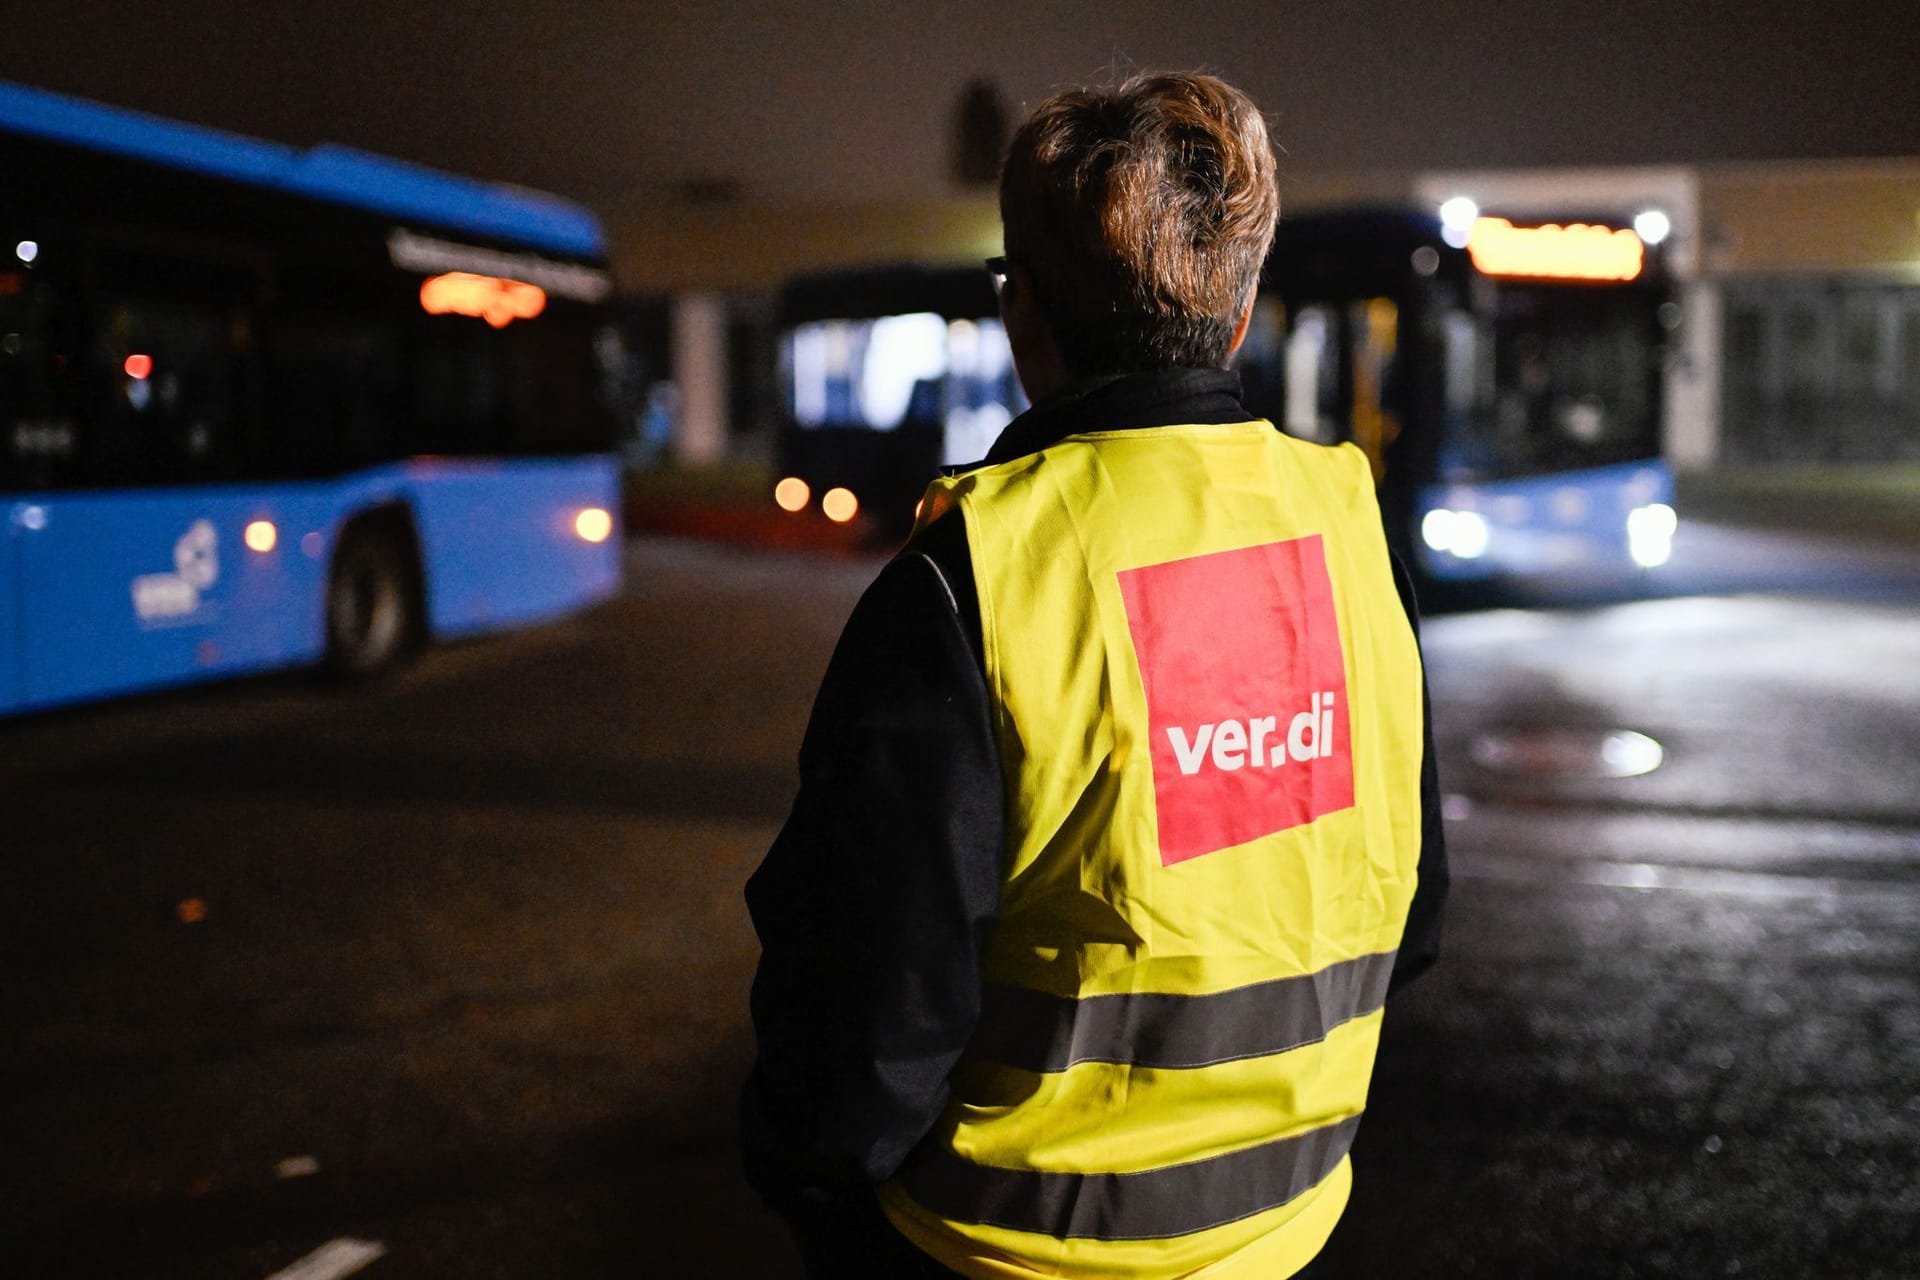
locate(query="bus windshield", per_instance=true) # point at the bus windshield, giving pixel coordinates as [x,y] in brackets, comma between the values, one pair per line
[1545,378]
[919,369]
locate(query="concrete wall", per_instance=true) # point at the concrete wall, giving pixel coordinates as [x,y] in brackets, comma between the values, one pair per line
[1831,217]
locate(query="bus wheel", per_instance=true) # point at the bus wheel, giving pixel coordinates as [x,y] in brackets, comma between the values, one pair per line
[373,617]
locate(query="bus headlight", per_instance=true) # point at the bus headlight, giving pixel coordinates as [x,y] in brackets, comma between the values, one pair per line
[840,505]
[1650,532]
[792,494]
[594,524]
[1460,533]
[261,536]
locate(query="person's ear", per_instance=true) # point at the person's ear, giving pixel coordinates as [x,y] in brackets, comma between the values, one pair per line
[1240,329]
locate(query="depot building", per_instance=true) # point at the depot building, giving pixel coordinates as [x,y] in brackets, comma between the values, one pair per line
[1799,283]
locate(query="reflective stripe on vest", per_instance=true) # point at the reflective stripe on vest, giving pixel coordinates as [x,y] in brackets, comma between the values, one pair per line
[1153,1204]
[1040,1032]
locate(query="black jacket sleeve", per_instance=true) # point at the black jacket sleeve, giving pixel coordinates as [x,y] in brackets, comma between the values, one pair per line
[1420,944]
[875,900]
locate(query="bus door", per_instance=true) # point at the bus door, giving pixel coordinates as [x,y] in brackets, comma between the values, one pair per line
[1339,375]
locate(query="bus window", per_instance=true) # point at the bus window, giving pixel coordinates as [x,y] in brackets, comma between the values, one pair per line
[821,362]
[172,350]
[39,435]
[1563,379]
[566,401]
[333,392]
[876,374]
[459,401]
[983,392]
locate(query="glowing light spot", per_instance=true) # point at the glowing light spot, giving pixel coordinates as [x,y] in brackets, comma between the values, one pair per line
[261,536]
[1564,752]
[792,494]
[1627,754]
[1470,535]
[1458,212]
[1655,520]
[1652,226]
[840,505]
[595,524]
[139,367]
[26,251]
[1458,533]
[1650,531]
[498,302]
[191,910]
[1456,220]
[1578,251]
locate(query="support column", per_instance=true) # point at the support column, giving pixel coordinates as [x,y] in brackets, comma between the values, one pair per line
[700,371]
[1693,384]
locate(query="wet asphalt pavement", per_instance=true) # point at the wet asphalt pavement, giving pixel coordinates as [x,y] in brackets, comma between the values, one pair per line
[456,966]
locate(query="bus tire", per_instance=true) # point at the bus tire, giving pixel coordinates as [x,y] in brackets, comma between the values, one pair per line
[374,616]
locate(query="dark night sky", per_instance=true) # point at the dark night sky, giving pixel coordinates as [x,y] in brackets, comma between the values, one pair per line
[614,103]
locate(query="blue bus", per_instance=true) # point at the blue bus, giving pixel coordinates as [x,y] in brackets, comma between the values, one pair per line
[886,375]
[263,406]
[1506,379]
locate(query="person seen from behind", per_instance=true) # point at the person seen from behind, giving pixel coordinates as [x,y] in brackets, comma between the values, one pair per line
[1117,819]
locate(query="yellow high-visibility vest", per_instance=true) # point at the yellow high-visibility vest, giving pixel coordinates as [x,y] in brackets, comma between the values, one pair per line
[1207,702]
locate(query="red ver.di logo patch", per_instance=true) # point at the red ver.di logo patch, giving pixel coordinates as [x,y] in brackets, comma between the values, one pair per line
[1246,693]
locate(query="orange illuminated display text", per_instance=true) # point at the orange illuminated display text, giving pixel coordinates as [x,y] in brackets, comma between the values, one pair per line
[498,302]
[1578,251]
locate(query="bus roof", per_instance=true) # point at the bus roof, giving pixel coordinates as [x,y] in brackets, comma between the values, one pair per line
[336,174]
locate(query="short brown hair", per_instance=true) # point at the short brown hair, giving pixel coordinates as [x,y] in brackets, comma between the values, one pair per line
[1142,215]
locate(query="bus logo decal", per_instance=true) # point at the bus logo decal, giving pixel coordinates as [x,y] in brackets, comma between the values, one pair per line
[160,598]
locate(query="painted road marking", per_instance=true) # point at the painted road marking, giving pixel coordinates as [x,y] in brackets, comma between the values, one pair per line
[332,1260]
